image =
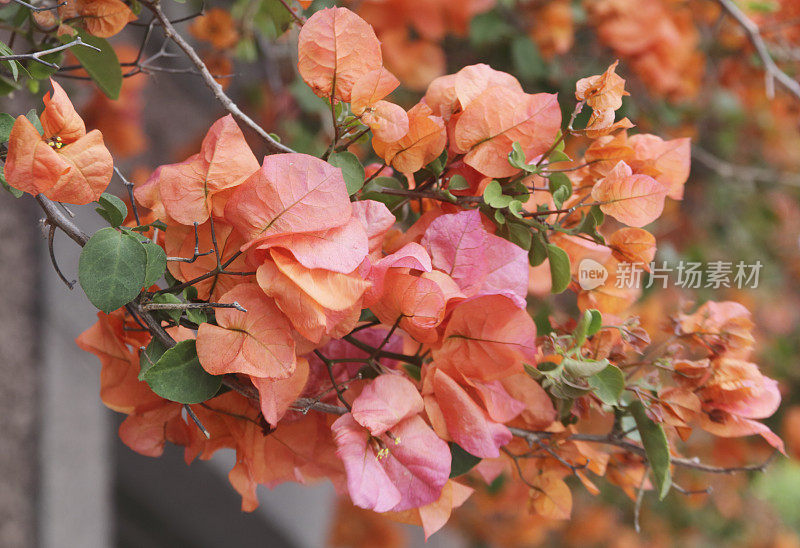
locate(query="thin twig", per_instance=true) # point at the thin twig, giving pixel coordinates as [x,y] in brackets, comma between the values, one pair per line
[35,56]
[209,80]
[50,234]
[35,9]
[192,306]
[196,420]
[639,450]
[329,366]
[748,174]
[129,189]
[771,70]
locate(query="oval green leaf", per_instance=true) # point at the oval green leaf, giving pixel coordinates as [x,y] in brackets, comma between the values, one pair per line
[178,375]
[608,384]
[656,447]
[111,269]
[559,268]
[462,462]
[102,66]
[352,170]
[156,263]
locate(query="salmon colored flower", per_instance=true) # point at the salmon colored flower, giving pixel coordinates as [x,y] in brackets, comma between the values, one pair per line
[65,163]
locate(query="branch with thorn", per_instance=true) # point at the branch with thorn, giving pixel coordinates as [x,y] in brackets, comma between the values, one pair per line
[37,55]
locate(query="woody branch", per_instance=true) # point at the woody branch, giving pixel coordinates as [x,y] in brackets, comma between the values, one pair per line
[56,218]
[772,71]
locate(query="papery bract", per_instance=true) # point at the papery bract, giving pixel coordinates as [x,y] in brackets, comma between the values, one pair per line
[104,18]
[385,402]
[291,194]
[635,200]
[388,122]
[467,424]
[371,88]
[633,245]
[666,161]
[180,241]
[188,189]
[66,164]
[339,249]
[481,263]
[277,395]
[424,141]
[409,470]
[488,338]
[376,219]
[471,81]
[499,117]
[317,302]
[603,92]
[435,515]
[336,48]
[416,304]
[257,342]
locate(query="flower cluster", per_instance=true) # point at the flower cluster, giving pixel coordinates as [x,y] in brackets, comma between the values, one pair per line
[373,327]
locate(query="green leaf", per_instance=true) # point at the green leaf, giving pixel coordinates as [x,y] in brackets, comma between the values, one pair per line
[559,268]
[437,165]
[33,118]
[112,209]
[488,28]
[493,196]
[7,85]
[16,193]
[560,187]
[517,156]
[538,251]
[462,462]
[515,207]
[156,263]
[656,447]
[272,18]
[581,329]
[6,123]
[596,322]
[457,182]
[558,156]
[102,66]
[517,159]
[520,234]
[39,71]
[582,368]
[150,355]
[527,61]
[196,315]
[178,375]
[352,170]
[413,371]
[12,65]
[608,384]
[111,269]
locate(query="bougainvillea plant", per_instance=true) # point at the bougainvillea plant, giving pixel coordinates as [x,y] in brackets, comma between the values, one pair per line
[370,324]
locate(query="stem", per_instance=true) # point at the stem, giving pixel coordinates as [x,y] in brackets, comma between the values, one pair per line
[208,78]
